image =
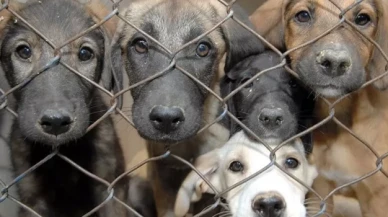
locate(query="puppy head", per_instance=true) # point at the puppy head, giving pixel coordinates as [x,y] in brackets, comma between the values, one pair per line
[270,105]
[241,158]
[53,107]
[170,107]
[336,63]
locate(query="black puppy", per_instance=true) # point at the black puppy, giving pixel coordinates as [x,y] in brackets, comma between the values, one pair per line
[274,106]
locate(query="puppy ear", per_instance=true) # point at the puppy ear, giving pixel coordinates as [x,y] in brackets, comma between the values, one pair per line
[306,118]
[378,65]
[194,186]
[240,43]
[226,87]
[268,20]
[110,79]
[310,171]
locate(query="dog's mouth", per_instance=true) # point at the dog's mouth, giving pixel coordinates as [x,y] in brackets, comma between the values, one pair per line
[45,134]
[327,85]
[269,139]
[166,139]
[272,140]
[330,90]
[61,139]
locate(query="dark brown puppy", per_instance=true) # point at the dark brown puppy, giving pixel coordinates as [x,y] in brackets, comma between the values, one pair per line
[336,64]
[172,108]
[57,107]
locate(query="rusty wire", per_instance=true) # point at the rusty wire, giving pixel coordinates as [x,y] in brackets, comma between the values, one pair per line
[4,187]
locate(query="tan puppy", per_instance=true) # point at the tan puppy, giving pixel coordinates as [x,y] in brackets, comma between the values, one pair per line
[172,108]
[336,64]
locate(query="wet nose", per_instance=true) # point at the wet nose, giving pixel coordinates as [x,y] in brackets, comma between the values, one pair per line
[166,119]
[269,205]
[271,117]
[334,63]
[55,122]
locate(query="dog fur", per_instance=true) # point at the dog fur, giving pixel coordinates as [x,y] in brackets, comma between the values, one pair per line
[174,23]
[275,94]
[273,183]
[56,188]
[340,157]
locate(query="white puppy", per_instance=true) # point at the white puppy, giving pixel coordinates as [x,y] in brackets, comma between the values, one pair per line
[273,193]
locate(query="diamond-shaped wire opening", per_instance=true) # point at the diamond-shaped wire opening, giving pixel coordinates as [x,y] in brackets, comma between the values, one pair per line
[114,106]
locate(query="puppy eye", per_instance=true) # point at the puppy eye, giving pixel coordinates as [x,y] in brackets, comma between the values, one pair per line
[85,54]
[250,85]
[141,46]
[292,83]
[303,17]
[291,163]
[203,49]
[362,19]
[24,51]
[236,166]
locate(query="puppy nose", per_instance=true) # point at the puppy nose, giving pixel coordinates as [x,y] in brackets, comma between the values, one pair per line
[55,122]
[334,63]
[166,119]
[271,117]
[269,205]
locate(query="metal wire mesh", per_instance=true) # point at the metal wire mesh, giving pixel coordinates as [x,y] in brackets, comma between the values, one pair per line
[115,110]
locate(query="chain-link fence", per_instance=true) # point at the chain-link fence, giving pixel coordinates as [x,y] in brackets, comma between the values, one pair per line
[114,109]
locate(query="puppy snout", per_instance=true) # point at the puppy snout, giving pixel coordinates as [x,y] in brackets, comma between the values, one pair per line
[271,117]
[166,119]
[55,122]
[269,205]
[334,63]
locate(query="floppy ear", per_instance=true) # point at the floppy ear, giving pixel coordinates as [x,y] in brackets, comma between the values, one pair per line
[311,171]
[226,86]
[240,43]
[306,118]
[378,65]
[307,139]
[110,79]
[194,186]
[268,21]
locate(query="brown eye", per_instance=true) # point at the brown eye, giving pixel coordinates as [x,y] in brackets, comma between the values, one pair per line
[85,54]
[303,17]
[203,49]
[24,51]
[141,46]
[291,163]
[292,83]
[362,19]
[236,166]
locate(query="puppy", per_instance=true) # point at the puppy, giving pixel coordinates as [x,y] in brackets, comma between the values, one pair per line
[169,110]
[336,64]
[56,107]
[274,106]
[272,193]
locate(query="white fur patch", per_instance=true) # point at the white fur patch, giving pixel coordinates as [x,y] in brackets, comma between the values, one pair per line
[254,157]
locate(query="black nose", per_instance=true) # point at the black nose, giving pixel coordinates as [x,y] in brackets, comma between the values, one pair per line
[166,119]
[271,117]
[334,63]
[268,205]
[55,122]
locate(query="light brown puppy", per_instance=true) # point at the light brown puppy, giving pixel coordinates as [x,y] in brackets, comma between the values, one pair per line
[336,64]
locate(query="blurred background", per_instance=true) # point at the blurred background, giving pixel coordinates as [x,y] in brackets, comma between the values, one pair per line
[132,144]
